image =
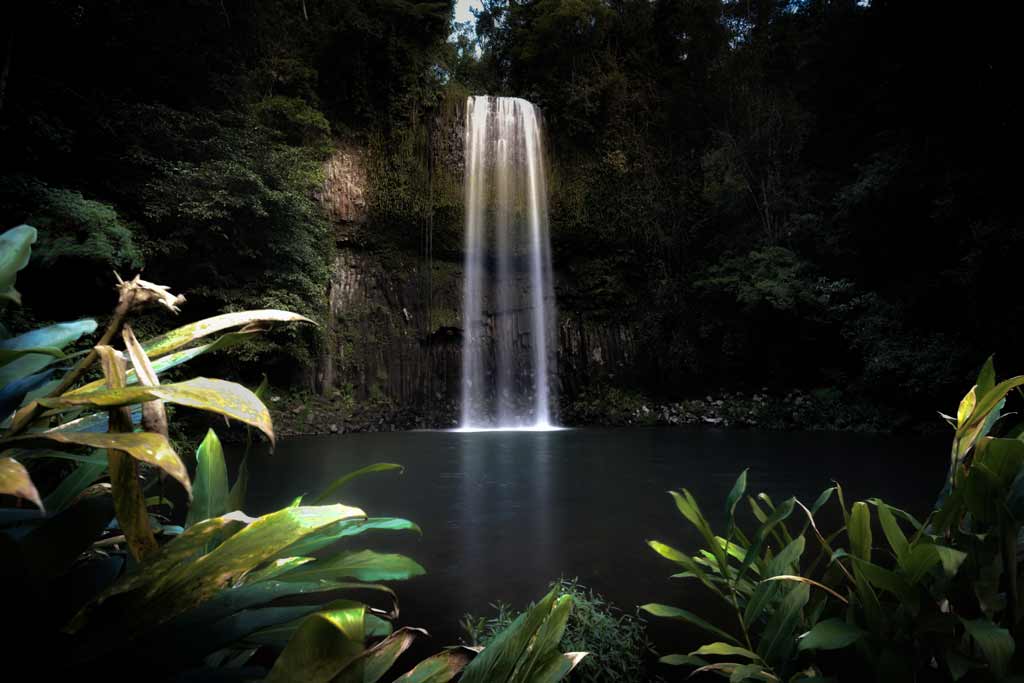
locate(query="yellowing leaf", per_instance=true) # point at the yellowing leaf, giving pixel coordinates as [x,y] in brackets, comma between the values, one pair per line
[215,395]
[151,448]
[182,336]
[966,407]
[15,481]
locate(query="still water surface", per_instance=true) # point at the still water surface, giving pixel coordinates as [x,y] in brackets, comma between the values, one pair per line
[505,513]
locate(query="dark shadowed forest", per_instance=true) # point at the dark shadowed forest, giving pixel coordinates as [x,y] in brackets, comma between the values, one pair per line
[544,264]
[790,195]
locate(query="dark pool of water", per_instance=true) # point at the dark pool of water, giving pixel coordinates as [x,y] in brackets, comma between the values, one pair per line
[503,514]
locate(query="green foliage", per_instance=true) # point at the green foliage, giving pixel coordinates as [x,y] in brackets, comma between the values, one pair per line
[297,121]
[616,641]
[602,403]
[15,250]
[77,229]
[771,277]
[210,592]
[943,594]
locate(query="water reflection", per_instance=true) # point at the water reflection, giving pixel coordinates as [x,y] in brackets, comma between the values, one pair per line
[504,513]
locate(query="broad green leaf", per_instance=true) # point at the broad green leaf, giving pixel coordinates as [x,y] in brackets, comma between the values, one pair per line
[898,513]
[537,662]
[988,402]
[173,360]
[777,516]
[15,481]
[738,489]
[669,612]
[185,335]
[1003,457]
[859,531]
[831,634]
[687,505]
[241,627]
[778,638]
[500,658]
[257,593]
[275,569]
[277,633]
[8,355]
[346,528]
[995,643]
[724,650]
[766,591]
[918,561]
[986,378]
[554,668]
[148,576]
[214,395]
[886,580]
[668,552]
[83,476]
[440,668]
[185,585]
[151,448]
[15,251]
[891,528]
[52,337]
[951,559]
[982,493]
[364,565]
[372,664]
[210,489]
[966,406]
[686,561]
[245,550]
[323,645]
[338,483]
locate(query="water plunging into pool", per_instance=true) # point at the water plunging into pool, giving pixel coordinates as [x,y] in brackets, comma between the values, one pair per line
[508,316]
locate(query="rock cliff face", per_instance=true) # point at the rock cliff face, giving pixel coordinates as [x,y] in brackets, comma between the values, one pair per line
[395,333]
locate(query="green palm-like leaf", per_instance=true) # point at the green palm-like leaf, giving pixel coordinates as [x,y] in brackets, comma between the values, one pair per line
[173,360]
[214,395]
[669,612]
[340,482]
[31,352]
[364,565]
[151,448]
[830,634]
[210,489]
[322,646]
[345,529]
[372,664]
[182,336]
[15,251]
[995,643]
[440,668]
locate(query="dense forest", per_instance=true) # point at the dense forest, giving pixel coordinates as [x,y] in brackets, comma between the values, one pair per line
[775,193]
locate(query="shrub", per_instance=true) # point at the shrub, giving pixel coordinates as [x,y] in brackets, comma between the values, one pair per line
[617,641]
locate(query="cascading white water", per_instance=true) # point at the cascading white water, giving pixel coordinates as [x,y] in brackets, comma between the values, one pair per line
[508,316]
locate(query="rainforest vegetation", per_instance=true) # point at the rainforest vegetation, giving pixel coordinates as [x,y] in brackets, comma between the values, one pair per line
[777,194]
[775,197]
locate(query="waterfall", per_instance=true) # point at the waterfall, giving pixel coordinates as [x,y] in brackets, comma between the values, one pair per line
[508,316]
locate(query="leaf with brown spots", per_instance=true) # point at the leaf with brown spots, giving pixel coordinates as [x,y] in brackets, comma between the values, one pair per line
[15,481]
